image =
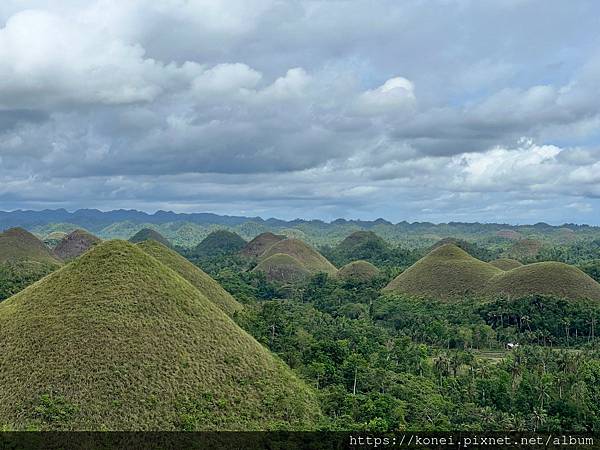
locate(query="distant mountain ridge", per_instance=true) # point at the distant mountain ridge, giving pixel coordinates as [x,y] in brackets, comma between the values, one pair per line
[94,220]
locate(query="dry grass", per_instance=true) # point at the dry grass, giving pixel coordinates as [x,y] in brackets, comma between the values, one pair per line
[118,341]
[358,271]
[282,268]
[311,259]
[446,272]
[261,244]
[196,276]
[75,244]
[550,278]
[506,263]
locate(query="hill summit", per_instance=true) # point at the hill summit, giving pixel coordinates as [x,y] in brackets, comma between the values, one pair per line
[358,271]
[220,242]
[17,244]
[75,244]
[148,234]
[261,244]
[310,259]
[546,278]
[446,272]
[118,341]
[196,276]
[282,268]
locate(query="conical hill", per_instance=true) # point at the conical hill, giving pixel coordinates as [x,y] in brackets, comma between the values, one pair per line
[116,340]
[196,276]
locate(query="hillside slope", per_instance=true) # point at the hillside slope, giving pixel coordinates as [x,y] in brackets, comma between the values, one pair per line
[196,276]
[550,278]
[446,272]
[311,259]
[75,244]
[118,341]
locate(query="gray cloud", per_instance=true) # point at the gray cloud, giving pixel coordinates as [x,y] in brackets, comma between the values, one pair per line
[294,108]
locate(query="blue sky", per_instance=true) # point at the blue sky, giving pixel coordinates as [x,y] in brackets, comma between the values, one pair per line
[447,110]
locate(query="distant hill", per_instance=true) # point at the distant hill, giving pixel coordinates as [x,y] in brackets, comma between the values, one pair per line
[510,235]
[202,281]
[75,244]
[361,245]
[310,259]
[549,278]
[220,242]
[358,271]
[147,234]
[260,244]
[17,244]
[469,247]
[506,263]
[24,259]
[116,340]
[446,272]
[282,268]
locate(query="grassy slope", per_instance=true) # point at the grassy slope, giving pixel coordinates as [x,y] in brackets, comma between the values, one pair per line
[312,260]
[358,270]
[116,340]
[446,272]
[18,244]
[261,244]
[202,281]
[506,263]
[282,268]
[551,278]
[146,234]
[220,242]
[75,244]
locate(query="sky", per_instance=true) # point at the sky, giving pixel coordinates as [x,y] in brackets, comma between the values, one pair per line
[439,110]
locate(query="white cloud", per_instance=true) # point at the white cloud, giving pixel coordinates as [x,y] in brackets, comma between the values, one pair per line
[396,94]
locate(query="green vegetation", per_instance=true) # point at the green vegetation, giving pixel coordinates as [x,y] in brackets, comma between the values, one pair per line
[550,278]
[282,268]
[525,249]
[148,234]
[52,239]
[446,272]
[193,274]
[506,263]
[75,244]
[359,271]
[118,341]
[261,244]
[218,243]
[17,275]
[310,259]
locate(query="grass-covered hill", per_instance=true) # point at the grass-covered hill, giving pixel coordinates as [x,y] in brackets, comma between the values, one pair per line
[282,268]
[548,278]
[311,259]
[24,259]
[75,244]
[506,263]
[198,278]
[116,340]
[148,234]
[218,243]
[260,244]
[53,239]
[17,244]
[446,272]
[358,271]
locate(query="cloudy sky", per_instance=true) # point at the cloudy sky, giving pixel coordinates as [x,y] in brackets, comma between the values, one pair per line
[447,110]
